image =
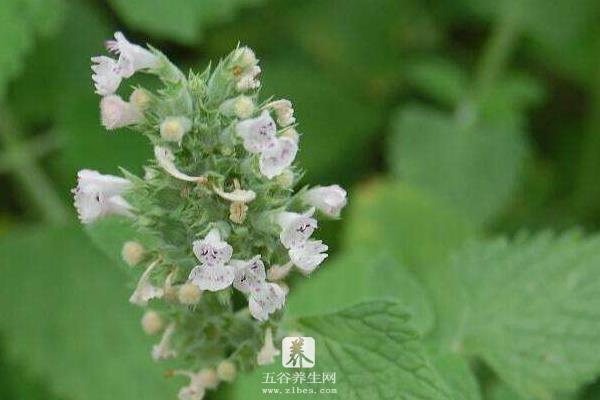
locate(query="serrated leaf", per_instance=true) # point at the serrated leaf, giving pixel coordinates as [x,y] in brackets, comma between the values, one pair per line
[458,374]
[474,169]
[180,20]
[358,276]
[65,315]
[530,309]
[20,22]
[374,351]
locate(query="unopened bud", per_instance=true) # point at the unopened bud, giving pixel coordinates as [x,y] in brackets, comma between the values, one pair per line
[237,212]
[132,253]
[140,98]
[226,371]
[285,179]
[241,107]
[208,378]
[291,133]
[152,323]
[172,129]
[189,294]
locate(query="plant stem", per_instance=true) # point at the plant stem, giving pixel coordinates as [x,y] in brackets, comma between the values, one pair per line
[496,52]
[30,176]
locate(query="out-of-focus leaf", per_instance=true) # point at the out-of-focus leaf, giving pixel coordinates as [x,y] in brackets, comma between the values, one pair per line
[65,316]
[16,383]
[57,85]
[180,20]
[474,169]
[562,32]
[337,126]
[372,348]
[439,79]
[417,230]
[20,22]
[363,42]
[530,310]
[413,227]
[358,276]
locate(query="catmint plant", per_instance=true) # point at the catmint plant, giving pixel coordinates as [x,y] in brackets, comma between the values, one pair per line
[217,205]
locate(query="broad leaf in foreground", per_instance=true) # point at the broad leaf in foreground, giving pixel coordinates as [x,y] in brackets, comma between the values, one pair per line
[65,316]
[374,351]
[531,310]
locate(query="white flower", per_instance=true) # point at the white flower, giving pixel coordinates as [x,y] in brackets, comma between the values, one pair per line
[245,57]
[296,228]
[195,390]
[275,159]
[212,274]
[268,352]
[117,113]
[166,159]
[308,255]
[145,290]
[264,298]
[279,272]
[238,195]
[163,349]
[106,75]
[284,111]
[247,80]
[140,98]
[241,107]
[132,57]
[98,195]
[328,199]
[172,129]
[257,133]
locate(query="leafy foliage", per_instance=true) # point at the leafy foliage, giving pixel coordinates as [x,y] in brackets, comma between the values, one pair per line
[179,20]
[530,309]
[474,168]
[56,291]
[20,22]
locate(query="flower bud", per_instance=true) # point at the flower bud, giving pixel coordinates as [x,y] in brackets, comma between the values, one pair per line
[268,352]
[208,378]
[291,133]
[245,57]
[237,212]
[226,371]
[117,113]
[189,294]
[284,112]
[241,107]
[140,98]
[132,253]
[172,129]
[152,323]
[285,179]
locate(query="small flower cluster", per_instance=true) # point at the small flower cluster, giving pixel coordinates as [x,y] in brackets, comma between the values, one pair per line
[214,207]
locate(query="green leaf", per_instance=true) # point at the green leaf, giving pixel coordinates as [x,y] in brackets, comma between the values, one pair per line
[20,22]
[374,351]
[65,316]
[474,169]
[335,124]
[439,79]
[180,20]
[530,309]
[358,276]
[416,229]
[458,374]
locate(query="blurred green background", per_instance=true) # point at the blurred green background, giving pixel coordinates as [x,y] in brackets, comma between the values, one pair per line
[490,109]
